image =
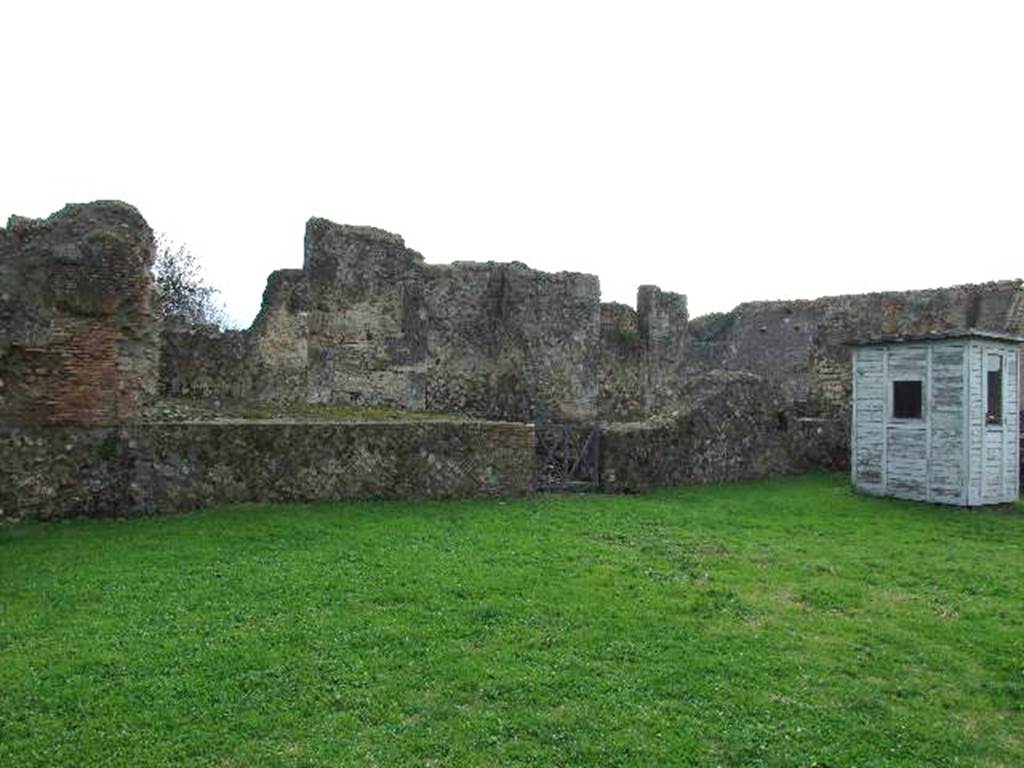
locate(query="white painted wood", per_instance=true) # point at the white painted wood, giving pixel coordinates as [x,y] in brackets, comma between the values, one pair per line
[928,406]
[993,462]
[867,437]
[976,409]
[945,425]
[1011,408]
[966,420]
[949,455]
[854,426]
[886,405]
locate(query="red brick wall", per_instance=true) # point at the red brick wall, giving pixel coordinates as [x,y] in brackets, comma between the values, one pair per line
[78,327]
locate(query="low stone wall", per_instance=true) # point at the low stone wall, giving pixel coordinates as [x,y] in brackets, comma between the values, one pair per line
[62,471]
[734,426]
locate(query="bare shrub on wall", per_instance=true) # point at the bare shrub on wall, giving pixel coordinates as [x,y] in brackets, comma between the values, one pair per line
[185,296]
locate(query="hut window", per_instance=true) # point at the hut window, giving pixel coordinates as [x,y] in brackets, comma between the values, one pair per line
[994,382]
[906,399]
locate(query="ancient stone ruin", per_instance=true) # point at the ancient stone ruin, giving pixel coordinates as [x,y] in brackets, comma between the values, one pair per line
[78,332]
[801,346]
[367,321]
[763,389]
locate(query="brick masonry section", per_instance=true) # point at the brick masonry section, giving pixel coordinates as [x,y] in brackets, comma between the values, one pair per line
[65,471]
[78,329]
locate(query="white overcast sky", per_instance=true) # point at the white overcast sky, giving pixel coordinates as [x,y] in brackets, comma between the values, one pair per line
[727,150]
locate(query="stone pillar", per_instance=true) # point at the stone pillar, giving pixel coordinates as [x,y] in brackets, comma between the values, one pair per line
[661,318]
[79,326]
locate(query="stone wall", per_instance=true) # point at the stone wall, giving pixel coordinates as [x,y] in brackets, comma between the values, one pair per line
[205,364]
[662,319]
[763,389]
[367,321]
[78,331]
[731,426]
[642,360]
[621,381]
[62,471]
[800,346]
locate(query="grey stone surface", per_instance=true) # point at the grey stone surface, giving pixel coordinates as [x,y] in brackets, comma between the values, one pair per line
[367,322]
[801,346]
[763,389]
[732,425]
[63,471]
[78,331]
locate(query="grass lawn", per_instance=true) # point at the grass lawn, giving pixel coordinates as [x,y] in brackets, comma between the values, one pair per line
[779,623]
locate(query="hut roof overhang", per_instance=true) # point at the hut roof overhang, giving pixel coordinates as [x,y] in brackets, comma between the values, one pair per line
[969,333]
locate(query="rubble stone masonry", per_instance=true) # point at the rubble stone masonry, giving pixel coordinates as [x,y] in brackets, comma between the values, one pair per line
[78,331]
[762,389]
[367,321]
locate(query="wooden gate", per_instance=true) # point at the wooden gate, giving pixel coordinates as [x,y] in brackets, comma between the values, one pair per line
[568,457]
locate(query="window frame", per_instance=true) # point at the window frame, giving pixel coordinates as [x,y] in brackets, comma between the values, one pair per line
[892,401]
[1000,417]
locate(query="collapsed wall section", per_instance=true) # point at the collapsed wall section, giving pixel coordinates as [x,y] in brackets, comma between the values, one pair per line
[621,380]
[512,342]
[78,328]
[495,340]
[643,355]
[367,322]
[362,320]
[731,425]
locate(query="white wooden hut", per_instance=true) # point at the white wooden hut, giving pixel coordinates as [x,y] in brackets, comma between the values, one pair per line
[935,418]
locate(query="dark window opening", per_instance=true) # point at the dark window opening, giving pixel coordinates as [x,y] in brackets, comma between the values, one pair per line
[906,399]
[994,376]
[781,421]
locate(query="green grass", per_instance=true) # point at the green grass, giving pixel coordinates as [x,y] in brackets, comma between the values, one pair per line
[187,409]
[779,623]
[322,412]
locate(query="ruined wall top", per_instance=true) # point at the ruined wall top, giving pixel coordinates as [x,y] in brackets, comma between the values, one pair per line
[800,344]
[78,330]
[318,228]
[367,321]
